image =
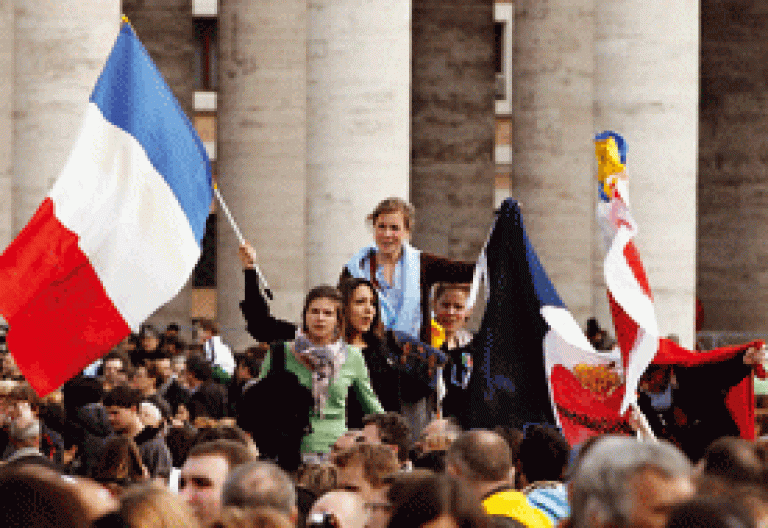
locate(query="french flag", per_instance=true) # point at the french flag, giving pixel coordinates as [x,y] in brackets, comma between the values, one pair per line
[119,233]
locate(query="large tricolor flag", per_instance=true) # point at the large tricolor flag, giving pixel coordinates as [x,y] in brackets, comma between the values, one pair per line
[119,233]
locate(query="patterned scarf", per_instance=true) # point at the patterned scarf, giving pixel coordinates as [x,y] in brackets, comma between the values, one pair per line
[326,362]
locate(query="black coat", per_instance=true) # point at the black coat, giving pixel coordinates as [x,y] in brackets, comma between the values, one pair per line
[394,381]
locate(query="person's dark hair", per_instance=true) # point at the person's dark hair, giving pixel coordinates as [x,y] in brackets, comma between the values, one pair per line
[514,438]
[235,453]
[348,286]
[199,367]
[442,287]
[480,455]
[394,205]
[120,462]
[223,432]
[179,441]
[251,361]
[318,478]
[544,454]
[124,397]
[734,460]
[167,341]
[378,461]
[81,391]
[173,327]
[39,497]
[711,512]
[325,292]
[419,500]
[393,430]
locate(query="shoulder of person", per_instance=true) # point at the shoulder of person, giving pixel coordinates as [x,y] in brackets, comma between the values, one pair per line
[355,356]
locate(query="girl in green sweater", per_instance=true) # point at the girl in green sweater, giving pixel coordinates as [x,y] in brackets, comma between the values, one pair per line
[326,365]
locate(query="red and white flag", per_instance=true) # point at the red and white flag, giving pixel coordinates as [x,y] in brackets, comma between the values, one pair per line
[629,293]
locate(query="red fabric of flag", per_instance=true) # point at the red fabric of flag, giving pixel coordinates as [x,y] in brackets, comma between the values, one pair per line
[60,318]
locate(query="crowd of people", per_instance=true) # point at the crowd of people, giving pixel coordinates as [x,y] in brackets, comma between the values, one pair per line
[348,418]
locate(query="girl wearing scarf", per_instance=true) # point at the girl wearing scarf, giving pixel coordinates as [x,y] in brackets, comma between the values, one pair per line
[326,365]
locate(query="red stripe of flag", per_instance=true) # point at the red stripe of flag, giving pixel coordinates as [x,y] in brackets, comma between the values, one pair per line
[60,317]
[636,265]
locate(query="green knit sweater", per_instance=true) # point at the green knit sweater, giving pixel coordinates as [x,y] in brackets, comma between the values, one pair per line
[332,425]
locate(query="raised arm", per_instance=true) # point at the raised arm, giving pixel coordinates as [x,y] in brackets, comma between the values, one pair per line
[260,323]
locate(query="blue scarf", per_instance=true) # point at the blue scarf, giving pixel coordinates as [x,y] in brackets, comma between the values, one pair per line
[402,320]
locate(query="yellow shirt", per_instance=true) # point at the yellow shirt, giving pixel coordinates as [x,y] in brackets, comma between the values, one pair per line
[511,503]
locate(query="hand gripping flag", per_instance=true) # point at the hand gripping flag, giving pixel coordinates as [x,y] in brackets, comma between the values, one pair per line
[119,233]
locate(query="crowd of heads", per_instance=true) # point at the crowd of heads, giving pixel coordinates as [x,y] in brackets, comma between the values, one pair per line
[372,478]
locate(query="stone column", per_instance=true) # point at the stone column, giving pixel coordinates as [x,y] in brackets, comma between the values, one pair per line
[453,120]
[60,50]
[647,88]
[553,171]
[358,133]
[7,33]
[262,152]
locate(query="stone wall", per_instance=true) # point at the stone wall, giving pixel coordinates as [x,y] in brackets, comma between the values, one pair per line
[452,171]
[733,166]
[167,30]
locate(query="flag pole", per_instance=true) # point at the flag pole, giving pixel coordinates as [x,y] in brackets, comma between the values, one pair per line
[239,235]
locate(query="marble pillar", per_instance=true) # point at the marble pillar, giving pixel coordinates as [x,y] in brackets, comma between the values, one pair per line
[358,117]
[553,171]
[60,49]
[7,47]
[262,147]
[647,89]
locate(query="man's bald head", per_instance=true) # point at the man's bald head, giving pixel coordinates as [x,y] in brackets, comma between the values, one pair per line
[480,456]
[348,507]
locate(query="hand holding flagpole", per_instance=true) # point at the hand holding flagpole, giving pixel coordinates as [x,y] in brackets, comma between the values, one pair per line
[239,235]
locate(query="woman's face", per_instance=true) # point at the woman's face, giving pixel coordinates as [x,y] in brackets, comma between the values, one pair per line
[390,232]
[321,321]
[362,308]
[451,310]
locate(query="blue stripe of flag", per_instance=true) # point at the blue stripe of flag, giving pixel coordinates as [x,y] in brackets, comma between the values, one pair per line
[132,95]
[545,290]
